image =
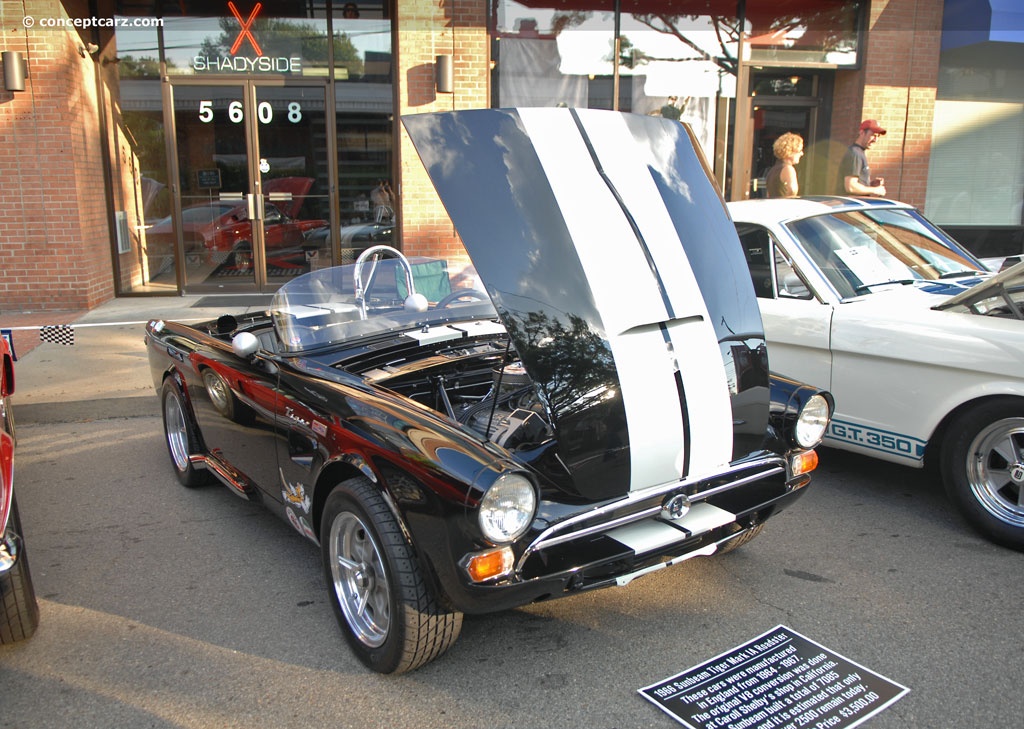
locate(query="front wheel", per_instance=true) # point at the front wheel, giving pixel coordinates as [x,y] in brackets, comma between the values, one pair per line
[180,436]
[983,470]
[741,539]
[388,612]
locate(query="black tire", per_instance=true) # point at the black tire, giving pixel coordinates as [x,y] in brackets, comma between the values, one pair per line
[179,434]
[982,464]
[738,541]
[19,610]
[387,611]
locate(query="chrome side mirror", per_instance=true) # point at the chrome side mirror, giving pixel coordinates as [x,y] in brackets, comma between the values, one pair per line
[245,345]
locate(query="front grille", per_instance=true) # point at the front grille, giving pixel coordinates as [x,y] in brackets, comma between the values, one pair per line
[587,528]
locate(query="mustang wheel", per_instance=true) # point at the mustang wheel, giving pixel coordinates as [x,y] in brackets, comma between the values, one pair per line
[983,470]
[19,611]
[387,611]
[181,439]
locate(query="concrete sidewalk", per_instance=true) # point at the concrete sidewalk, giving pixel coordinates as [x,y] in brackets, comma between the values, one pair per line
[105,373]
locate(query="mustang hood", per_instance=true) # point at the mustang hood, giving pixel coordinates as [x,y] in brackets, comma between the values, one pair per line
[1002,293]
[608,252]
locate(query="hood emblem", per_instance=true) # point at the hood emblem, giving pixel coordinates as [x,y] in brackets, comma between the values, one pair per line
[675,507]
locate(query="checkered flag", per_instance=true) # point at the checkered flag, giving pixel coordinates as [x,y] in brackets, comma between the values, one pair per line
[58,334]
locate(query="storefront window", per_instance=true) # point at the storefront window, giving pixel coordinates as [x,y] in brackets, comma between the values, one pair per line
[803,31]
[365,190]
[546,56]
[674,59]
[255,91]
[145,261]
[976,168]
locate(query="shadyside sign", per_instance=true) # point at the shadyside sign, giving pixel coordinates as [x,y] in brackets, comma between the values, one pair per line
[233,63]
[779,680]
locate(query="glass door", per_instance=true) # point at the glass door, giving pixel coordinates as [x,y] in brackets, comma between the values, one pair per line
[293,179]
[254,201]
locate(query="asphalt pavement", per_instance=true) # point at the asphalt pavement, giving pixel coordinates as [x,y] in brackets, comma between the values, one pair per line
[168,607]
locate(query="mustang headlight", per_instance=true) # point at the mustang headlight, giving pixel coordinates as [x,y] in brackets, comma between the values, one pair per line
[507,508]
[812,421]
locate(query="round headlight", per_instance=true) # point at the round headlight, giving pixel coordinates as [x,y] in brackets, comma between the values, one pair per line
[506,510]
[812,421]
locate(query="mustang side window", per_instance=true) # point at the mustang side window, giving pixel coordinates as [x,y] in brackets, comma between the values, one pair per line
[788,281]
[771,271]
[757,249]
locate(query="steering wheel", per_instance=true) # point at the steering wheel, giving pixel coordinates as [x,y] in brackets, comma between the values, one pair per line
[454,296]
[413,302]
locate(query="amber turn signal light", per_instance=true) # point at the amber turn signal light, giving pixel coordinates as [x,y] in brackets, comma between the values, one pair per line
[804,462]
[487,565]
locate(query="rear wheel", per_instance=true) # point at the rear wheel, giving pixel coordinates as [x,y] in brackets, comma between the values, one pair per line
[19,611]
[388,612]
[180,436]
[983,469]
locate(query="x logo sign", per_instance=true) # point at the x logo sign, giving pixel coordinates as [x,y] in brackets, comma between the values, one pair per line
[246,25]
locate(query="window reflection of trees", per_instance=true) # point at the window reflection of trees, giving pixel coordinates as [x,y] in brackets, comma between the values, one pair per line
[571,365]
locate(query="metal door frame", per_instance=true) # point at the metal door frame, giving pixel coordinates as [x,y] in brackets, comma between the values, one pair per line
[250,121]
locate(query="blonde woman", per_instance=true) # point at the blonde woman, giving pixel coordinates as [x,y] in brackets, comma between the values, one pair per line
[781,178]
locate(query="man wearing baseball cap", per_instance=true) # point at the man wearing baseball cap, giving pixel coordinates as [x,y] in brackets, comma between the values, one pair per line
[854,172]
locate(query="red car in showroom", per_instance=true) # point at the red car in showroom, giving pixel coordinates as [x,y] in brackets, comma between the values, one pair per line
[19,612]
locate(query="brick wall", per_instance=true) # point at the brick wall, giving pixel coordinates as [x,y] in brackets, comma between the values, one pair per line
[54,237]
[426,29]
[896,85]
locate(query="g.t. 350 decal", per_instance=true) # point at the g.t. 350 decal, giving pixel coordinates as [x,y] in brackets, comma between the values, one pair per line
[879,440]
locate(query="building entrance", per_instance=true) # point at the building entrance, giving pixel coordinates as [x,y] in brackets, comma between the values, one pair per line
[790,100]
[254,165]
[771,122]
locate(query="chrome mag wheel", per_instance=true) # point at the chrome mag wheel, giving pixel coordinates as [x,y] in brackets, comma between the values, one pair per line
[176,431]
[995,470]
[360,579]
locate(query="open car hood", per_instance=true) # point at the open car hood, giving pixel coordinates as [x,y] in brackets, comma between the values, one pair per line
[1002,293]
[288,193]
[607,250]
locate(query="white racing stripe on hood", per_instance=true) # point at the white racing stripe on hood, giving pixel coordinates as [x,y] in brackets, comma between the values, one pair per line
[631,304]
[692,333]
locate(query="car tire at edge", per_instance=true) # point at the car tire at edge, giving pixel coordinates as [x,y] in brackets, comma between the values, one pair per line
[387,611]
[982,454]
[19,610]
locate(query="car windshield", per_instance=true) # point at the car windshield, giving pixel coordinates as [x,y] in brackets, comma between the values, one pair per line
[372,296]
[860,250]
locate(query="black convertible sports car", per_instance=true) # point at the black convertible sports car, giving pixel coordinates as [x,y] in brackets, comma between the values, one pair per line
[588,402]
